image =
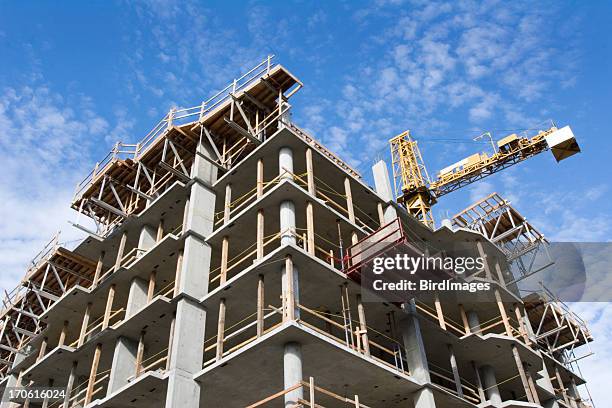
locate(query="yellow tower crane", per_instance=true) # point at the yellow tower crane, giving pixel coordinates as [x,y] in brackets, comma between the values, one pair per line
[418,193]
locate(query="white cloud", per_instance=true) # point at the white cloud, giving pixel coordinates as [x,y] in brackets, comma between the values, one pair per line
[44,149]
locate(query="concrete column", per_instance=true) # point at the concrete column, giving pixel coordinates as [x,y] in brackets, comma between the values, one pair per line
[148,237]
[287,223]
[413,344]
[416,356]
[124,363]
[186,348]
[137,297]
[13,381]
[473,321]
[382,184]
[544,382]
[187,355]
[292,370]
[490,383]
[572,390]
[285,162]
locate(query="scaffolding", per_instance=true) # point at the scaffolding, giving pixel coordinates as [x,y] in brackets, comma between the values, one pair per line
[233,122]
[52,272]
[524,246]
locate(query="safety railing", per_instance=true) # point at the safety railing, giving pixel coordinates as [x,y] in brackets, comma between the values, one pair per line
[97,325]
[135,254]
[347,332]
[313,397]
[241,333]
[172,118]
[445,379]
[81,393]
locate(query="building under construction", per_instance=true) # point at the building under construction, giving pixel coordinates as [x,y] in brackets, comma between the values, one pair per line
[221,269]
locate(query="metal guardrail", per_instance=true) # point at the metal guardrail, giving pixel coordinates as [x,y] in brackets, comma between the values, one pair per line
[122,151]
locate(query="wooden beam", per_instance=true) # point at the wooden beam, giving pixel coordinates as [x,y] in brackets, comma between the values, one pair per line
[481,393]
[260,305]
[310,172]
[310,231]
[120,251]
[439,313]
[109,306]
[177,275]
[260,177]
[242,131]
[160,230]
[63,333]
[289,290]
[464,319]
[98,271]
[220,329]
[84,325]
[228,202]
[349,200]
[224,259]
[92,374]
[504,315]
[260,234]
[151,287]
[363,325]
[140,353]
[521,370]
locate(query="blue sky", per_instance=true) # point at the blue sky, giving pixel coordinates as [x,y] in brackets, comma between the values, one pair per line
[76,78]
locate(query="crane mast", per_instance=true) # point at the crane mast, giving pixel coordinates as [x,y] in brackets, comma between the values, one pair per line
[417,193]
[411,178]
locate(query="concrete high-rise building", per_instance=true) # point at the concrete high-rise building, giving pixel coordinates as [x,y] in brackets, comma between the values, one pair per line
[221,269]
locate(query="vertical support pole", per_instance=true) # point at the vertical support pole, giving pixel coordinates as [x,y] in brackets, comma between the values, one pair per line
[381,214]
[177,275]
[483,255]
[63,333]
[534,391]
[140,353]
[349,200]
[292,373]
[502,311]
[224,259]
[464,319]
[309,206]
[160,230]
[561,385]
[290,295]
[439,313]
[455,370]
[311,389]
[260,305]
[92,374]
[109,306]
[170,340]
[220,329]
[84,325]
[151,288]
[70,385]
[228,203]
[481,393]
[521,370]
[260,233]
[43,349]
[310,228]
[98,271]
[498,270]
[523,329]
[260,178]
[363,326]
[490,383]
[121,250]
[310,172]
